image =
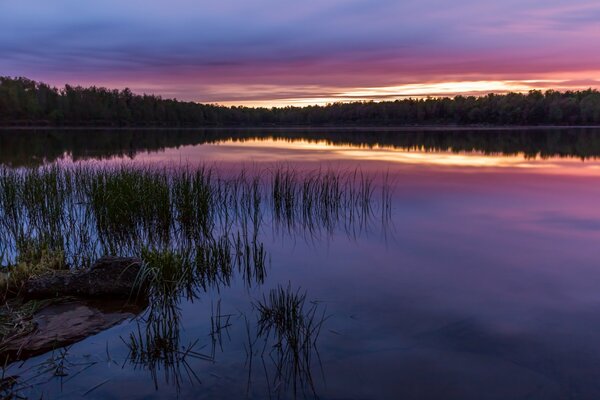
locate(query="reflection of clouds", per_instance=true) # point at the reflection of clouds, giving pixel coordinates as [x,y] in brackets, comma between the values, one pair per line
[274,150]
[562,220]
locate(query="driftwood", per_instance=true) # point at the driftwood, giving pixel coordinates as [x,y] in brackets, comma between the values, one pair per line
[109,277]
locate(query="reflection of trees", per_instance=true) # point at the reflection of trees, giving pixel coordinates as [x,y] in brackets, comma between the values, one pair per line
[25,147]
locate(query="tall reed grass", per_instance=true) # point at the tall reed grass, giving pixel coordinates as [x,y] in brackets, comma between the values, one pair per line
[193,229]
[85,212]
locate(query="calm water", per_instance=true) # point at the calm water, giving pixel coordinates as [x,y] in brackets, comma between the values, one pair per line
[484,284]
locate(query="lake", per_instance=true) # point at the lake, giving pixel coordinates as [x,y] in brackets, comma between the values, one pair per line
[475,274]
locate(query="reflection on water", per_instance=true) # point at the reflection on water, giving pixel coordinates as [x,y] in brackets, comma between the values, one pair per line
[483,286]
[195,231]
[34,147]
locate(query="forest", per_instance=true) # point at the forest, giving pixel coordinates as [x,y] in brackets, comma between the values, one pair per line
[24,102]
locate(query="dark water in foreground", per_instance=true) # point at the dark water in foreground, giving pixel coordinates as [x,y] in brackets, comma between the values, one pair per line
[484,284]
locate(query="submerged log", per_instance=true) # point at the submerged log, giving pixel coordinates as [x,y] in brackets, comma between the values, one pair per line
[109,277]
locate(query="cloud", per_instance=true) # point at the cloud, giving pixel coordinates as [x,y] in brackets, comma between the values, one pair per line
[325,46]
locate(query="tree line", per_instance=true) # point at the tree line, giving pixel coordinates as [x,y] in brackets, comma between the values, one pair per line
[27,102]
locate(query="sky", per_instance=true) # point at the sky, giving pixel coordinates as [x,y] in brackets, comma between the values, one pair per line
[280,52]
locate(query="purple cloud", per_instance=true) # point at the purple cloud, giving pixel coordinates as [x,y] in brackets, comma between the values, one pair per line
[189,49]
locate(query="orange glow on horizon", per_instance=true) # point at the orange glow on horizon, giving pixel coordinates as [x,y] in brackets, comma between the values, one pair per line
[327,95]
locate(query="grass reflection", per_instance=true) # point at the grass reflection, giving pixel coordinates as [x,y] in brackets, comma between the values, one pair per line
[289,329]
[194,230]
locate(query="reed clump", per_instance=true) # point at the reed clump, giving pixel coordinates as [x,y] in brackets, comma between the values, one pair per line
[193,229]
[34,258]
[285,315]
[68,216]
[291,327]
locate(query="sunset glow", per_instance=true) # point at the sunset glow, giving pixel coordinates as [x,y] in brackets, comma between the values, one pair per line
[282,53]
[271,150]
[420,90]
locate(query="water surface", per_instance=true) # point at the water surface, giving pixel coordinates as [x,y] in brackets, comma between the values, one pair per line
[483,284]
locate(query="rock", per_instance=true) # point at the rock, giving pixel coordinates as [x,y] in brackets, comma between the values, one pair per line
[109,277]
[62,324]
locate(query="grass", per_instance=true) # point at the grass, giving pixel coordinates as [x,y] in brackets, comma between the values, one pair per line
[291,327]
[156,343]
[87,212]
[34,259]
[16,320]
[155,352]
[194,229]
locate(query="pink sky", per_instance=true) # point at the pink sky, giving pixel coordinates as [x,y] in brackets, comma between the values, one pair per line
[270,52]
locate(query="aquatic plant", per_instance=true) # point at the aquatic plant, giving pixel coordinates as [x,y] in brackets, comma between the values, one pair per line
[155,345]
[87,212]
[34,258]
[194,230]
[290,329]
[156,351]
